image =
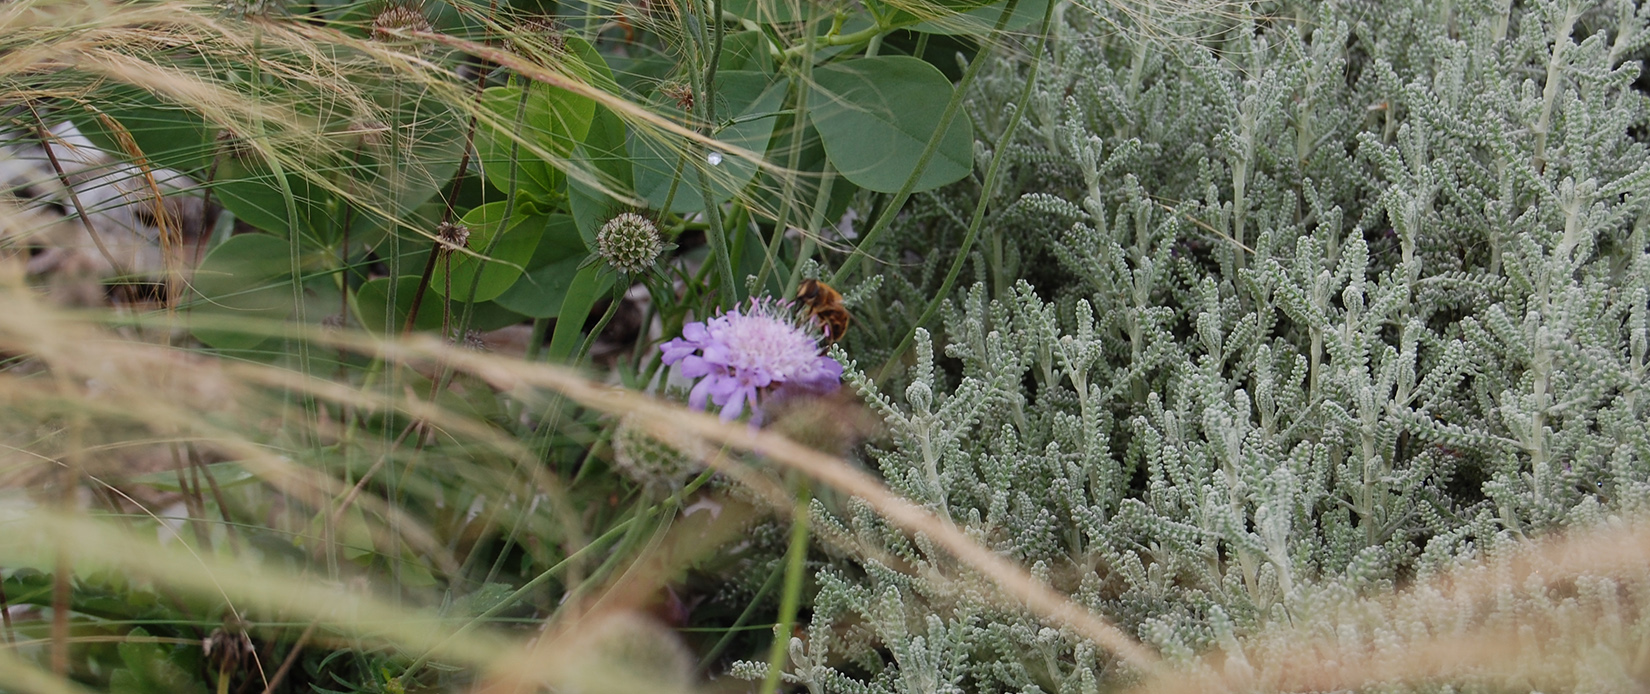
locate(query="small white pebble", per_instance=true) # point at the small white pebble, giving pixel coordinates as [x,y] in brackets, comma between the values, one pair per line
[714,158]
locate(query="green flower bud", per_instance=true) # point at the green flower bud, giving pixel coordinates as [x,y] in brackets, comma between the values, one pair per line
[629,242]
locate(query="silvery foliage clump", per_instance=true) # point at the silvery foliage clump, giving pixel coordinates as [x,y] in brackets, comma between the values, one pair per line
[1317,304]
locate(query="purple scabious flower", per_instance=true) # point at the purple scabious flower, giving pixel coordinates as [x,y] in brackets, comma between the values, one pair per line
[741,354]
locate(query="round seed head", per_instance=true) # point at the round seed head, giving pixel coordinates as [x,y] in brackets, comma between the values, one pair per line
[655,465]
[396,21]
[629,243]
[249,8]
[452,237]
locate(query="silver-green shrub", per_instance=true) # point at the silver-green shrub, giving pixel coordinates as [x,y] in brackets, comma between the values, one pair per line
[1267,315]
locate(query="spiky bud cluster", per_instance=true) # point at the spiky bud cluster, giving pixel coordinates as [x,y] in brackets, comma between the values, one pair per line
[249,9]
[395,22]
[647,461]
[629,242]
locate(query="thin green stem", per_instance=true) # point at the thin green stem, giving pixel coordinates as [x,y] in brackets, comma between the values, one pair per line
[792,161]
[987,188]
[816,219]
[851,39]
[951,108]
[613,304]
[796,558]
[744,616]
[705,97]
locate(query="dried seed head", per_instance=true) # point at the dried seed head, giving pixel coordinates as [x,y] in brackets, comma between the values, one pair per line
[629,243]
[472,340]
[229,646]
[547,30]
[451,237]
[396,22]
[680,93]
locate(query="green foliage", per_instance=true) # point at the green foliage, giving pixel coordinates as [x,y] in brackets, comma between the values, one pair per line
[444,168]
[1323,303]
[875,116]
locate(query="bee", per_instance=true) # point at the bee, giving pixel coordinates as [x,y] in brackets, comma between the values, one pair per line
[824,303]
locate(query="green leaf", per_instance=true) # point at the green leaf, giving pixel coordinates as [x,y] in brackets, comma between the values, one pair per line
[876,115]
[603,155]
[504,262]
[390,171]
[371,303]
[586,287]
[247,276]
[148,670]
[250,190]
[979,21]
[746,50]
[168,135]
[541,291]
[554,120]
[750,101]
[766,11]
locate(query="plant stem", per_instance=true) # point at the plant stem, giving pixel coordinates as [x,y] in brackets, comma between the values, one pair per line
[792,161]
[986,190]
[74,198]
[716,235]
[744,616]
[951,107]
[452,199]
[796,557]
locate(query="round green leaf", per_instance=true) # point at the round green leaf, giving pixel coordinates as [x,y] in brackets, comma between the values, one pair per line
[876,115]
[371,304]
[553,120]
[541,291]
[247,276]
[603,156]
[981,20]
[170,136]
[505,258]
[749,102]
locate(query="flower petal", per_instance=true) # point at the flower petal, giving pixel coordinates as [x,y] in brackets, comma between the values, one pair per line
[695,332]
[693,366]
[696,397]
[735,405]
[676,349]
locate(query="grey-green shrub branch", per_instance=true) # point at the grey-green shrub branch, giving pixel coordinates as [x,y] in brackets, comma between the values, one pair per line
[1330,302]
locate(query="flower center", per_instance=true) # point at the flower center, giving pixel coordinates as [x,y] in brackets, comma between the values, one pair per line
[762,341]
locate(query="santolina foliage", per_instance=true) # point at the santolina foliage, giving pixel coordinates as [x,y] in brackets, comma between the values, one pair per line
[1322,302]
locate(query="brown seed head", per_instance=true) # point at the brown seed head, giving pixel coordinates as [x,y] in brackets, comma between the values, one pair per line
[396,24]
[451,237]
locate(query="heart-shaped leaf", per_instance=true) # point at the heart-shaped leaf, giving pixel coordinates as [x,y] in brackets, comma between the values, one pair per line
[876,115]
